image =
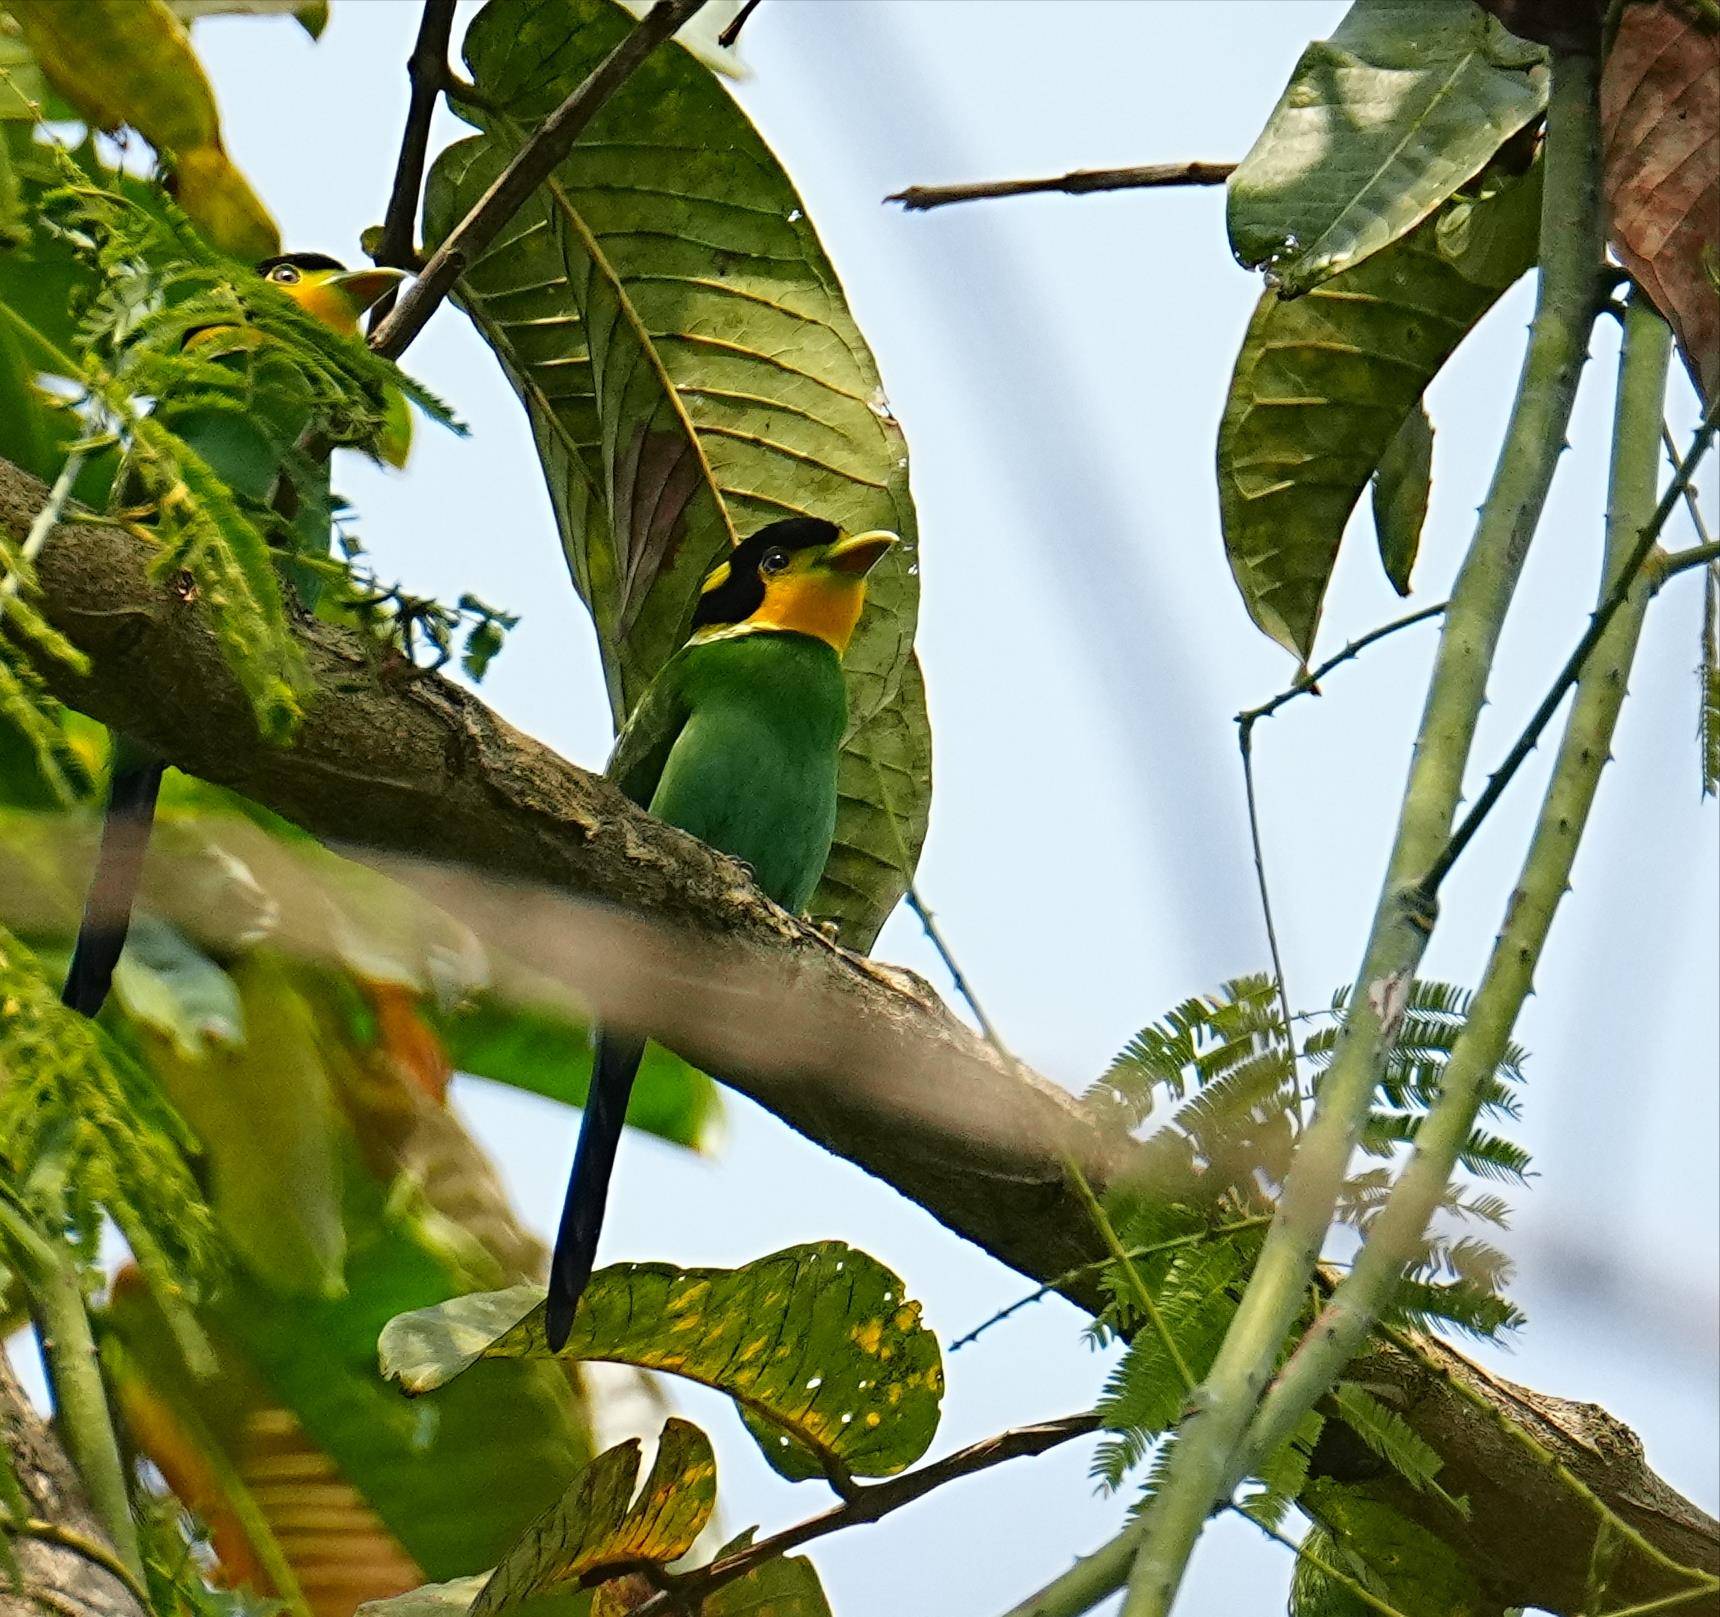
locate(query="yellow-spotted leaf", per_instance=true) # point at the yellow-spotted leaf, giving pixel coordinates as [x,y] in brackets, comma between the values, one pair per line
[1379,125]
[1324,382]
[819,1344]
[130,62]
[668,317]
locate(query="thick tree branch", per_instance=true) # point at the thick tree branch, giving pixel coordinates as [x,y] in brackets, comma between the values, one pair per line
[892,1081]
[65,1562]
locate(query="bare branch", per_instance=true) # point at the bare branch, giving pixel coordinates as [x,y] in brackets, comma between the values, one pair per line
[427,68]
[732,33]
[1078,182]
[532,164]
[869,1502]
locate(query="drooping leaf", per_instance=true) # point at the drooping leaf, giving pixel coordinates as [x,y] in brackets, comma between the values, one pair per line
[1379,125]
[670,321]
[819,1340]
[598,1523]
[1403,480]
[1660,113]
[130,62]
[1323,384]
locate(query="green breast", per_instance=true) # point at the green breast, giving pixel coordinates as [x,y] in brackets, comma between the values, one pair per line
[753,770]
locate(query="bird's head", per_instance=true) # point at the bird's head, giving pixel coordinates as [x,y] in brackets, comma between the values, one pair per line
[801,576]
[326,289]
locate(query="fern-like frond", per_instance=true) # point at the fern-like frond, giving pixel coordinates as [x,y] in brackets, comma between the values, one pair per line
[1284,1474]
[1394,1440]
[83,1129]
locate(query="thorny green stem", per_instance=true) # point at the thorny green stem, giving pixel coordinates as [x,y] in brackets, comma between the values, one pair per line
[1623,582]
[1396,1237]
[1680,561]
[1691,503]
[80,1400]
[1208,1441]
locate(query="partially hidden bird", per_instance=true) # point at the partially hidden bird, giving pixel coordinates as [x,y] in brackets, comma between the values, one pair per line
[243,453]
[735,741]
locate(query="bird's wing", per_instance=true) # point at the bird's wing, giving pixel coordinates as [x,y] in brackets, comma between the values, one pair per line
[642,748]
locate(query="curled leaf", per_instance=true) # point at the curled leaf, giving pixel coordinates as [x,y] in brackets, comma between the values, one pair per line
[1403,481]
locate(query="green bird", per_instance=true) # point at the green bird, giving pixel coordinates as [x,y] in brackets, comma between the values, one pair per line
[246,458]
[734,741]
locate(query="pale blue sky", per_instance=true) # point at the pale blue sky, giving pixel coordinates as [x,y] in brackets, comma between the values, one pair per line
[1059,366]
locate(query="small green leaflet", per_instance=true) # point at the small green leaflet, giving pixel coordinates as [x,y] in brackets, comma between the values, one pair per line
[1403,480]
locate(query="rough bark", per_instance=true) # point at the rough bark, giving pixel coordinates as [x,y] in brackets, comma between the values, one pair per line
[865,1060]
[55,1576]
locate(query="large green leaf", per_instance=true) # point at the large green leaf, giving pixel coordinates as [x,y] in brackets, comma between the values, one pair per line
[670,321]
[819,1342]
[1378,126]
[1323,384]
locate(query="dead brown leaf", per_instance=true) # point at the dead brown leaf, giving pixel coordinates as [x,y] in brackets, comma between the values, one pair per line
[1660,118]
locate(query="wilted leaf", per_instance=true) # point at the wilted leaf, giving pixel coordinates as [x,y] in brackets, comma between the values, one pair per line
[1379,125]
[598,1524]
[726,385]
[1323,384]
[820,1340]
[1403,481]
[130,62]
[1660,115]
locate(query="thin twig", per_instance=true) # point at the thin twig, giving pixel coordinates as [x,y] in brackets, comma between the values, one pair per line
[1309,683]
[1671,1602]
[1682,560]
[958,977]
[869,1503]
[1058,1282]
[1691,503]
[730,34]
[1302,1553]
[1245,722]
[1143,1293]
[97,1554]
[1604,614]
[427,69]
[1078,182]
[531,165]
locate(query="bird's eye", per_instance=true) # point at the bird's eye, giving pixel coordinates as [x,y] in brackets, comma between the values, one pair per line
[774,560]
[285,274]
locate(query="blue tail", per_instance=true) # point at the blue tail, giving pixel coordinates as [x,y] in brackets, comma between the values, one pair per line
[113,885]
[612,1076]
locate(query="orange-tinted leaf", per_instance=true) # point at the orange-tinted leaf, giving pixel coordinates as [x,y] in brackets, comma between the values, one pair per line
[1660,115]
